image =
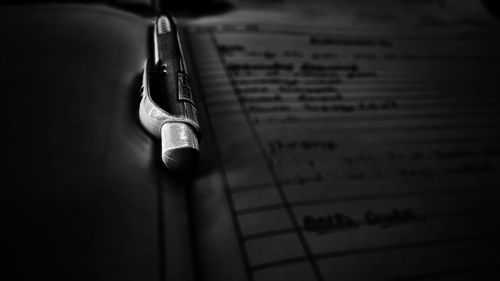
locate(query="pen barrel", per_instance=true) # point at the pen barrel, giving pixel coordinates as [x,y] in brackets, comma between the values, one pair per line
[175,94]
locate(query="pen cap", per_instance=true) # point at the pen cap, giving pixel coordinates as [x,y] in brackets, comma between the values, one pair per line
[179,146]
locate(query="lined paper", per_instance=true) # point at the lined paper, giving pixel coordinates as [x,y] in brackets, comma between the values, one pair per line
[347,154]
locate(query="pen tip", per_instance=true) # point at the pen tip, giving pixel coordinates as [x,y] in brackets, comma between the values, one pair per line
[181,160]
[179,146]
[163,24]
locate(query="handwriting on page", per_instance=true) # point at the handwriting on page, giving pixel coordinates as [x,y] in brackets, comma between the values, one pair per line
[338,221]
[362,147]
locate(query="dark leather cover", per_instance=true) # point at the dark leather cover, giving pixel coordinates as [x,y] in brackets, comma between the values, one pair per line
[84,192]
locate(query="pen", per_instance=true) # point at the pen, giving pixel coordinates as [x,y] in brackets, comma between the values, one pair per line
[167,109]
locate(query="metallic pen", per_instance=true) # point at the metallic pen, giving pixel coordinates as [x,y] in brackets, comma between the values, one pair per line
[167,109]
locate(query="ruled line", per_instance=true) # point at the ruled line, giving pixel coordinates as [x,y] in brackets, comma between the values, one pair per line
[449,273]
[337,117]
[377,249]
[367,197]
[223,101]
[354,109]
[441,141]
[433,33]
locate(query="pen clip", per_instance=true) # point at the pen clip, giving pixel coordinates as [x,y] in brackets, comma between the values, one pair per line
[151,115]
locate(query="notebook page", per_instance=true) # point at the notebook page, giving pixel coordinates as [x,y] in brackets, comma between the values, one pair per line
[351,153]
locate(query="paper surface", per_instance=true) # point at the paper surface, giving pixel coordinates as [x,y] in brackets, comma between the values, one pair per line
[347,153]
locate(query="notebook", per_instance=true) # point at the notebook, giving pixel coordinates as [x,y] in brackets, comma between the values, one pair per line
[340,143]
